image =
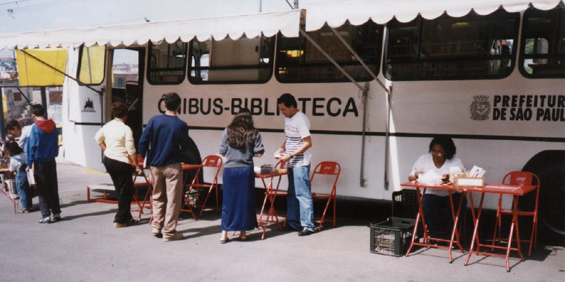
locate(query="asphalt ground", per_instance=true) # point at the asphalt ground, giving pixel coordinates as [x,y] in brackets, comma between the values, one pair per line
[85,246]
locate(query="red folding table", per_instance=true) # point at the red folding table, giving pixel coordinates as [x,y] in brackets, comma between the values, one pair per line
[423,186]
[270,195]
[501,189]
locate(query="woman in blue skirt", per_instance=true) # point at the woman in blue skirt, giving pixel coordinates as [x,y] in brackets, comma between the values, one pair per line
[240,143]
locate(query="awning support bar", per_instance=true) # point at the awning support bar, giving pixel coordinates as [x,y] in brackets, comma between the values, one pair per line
[388,93]
[303,33]
[359,59]
[63,73]
[25,97]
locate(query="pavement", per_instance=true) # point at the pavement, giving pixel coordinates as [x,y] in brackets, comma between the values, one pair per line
[85,246]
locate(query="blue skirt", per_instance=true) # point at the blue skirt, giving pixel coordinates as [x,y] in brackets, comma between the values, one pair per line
[238,205]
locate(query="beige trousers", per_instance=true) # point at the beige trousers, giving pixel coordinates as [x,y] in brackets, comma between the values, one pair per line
[167,197]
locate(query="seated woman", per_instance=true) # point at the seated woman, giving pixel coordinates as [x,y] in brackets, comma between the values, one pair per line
[440,159]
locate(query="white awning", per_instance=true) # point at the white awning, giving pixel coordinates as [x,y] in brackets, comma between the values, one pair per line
[233,26]
[382,11]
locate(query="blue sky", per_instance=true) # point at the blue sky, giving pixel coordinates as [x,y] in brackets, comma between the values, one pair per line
[34,15]
[37,15]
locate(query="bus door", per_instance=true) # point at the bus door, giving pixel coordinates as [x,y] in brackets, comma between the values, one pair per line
[127,85]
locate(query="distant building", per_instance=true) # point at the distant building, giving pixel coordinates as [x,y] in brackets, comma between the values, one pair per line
[8,69]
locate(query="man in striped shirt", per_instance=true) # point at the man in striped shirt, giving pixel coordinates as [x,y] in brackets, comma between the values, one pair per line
[295,151]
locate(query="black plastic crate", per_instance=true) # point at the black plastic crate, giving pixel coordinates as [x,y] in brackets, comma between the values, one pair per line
[405,203]
[392,237]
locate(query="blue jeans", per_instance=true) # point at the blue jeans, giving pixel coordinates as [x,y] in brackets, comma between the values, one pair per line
[23,190]
[300,208]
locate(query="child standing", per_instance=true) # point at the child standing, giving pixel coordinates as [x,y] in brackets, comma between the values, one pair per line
[18,165]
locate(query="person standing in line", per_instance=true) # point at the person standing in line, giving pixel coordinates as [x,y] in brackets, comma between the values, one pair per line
[18,166]
[295,151]
[162,142]
[240,143]
[14,128]
[42,148]
[116,140]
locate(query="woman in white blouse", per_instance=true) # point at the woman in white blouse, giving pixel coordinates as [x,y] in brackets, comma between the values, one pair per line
[116,140]
[439,160]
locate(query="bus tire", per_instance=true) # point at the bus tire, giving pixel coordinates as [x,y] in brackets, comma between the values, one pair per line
[549,166]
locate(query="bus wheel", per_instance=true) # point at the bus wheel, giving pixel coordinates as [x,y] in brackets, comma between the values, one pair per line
[549,166]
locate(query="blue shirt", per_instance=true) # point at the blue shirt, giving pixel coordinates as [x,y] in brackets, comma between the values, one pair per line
[43,142]
[163,140]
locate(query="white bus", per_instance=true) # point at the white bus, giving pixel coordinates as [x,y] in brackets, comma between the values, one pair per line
[493,81]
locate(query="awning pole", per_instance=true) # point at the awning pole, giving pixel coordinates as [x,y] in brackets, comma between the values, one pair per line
[25,97]
[362,180]
[388,93]
[63,73]
[303,33]
[387,135]
[359,59]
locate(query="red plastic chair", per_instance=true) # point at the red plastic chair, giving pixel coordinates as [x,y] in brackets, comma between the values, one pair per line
[214,163]
[524,178]
[331,170]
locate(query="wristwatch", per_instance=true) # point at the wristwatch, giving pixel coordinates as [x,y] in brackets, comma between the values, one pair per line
[290,157]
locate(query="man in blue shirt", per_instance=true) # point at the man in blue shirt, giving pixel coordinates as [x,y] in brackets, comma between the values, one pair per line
[161,143]
[42,148]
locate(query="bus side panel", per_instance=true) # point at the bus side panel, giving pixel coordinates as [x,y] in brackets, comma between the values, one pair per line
[335,112]
[498,144]
[81,120]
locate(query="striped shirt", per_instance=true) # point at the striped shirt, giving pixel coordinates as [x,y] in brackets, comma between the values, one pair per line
[296,129]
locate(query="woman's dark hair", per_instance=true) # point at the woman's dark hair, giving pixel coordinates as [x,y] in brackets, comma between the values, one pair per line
[446,143]
[13,148]
[119,109]
[241,132]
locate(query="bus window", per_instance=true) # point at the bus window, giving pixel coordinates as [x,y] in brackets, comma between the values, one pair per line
[91,65]
[125,70]
[543,41]
[299,61]
[245,60]
[469,47]
[167,63]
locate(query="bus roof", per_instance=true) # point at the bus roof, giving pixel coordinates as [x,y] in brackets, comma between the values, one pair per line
[359,11]
[252,25]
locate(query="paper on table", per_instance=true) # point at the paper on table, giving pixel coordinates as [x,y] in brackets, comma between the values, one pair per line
[430,176]
[476,172]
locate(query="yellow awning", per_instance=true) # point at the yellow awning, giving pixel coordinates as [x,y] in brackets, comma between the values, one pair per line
[33,71]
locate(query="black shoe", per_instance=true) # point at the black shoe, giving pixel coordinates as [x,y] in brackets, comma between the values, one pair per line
[133,222]
[305,232]
[289,228]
